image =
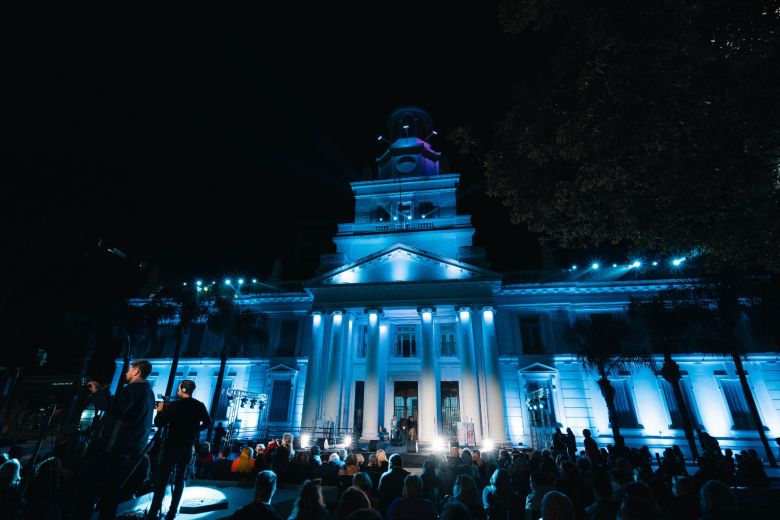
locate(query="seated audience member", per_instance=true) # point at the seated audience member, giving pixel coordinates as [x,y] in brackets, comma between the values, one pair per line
[557,506]
[391,484]
[365,514]
[717,501]
[353,499]
[499,499]
[203,459]
[220,468]
[412,506]
[465,491]
[363,482]
[310,505]
[244,466]
[260,508]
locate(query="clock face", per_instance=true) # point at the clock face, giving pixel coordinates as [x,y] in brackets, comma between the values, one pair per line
[406,164]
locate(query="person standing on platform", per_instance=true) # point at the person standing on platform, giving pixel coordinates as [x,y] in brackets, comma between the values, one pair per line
[184,420]
[118,444]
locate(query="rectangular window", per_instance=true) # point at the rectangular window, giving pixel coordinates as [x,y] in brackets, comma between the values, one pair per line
[406,341]
[447,340]
[280,401]
[738,407]
[362,345]
[531,334]
[288,337]
[674,410]
[624,404]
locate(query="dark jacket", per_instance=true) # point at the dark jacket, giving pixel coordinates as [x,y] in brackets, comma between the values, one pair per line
[256,511]
[391,486]
[127,422]
[185,419]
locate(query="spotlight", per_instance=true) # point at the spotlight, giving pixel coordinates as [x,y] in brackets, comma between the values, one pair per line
[636,264]
[240,281]
[438,444]
[227,281]
[594,265]
[243,401]
[252,403]
[574,267]
[614,265]
[677,261]
[198,283]
[254,280]
[347,441]
[655,263]
[305,438]
[488,445]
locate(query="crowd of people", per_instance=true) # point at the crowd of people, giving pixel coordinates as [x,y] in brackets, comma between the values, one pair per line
[117,462]
[593,483]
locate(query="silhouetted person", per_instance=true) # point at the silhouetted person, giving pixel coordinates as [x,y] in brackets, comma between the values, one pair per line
[391,484]
[118,443]
[260,508]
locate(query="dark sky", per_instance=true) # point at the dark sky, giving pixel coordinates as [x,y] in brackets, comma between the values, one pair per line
[176,136]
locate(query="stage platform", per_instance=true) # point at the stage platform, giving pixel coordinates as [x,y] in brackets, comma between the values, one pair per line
[200,493]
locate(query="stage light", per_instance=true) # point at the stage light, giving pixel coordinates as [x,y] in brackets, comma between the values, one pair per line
[205,289]
[185,284]
[198,283]
[252,403]
[254,280]
[305,438]
[574,267]
[636,264]
[243,401]
[347,441]
[227,281]
[438,444]
[240,281]
[677,261]
[655,263]
[488,445]
[594,265]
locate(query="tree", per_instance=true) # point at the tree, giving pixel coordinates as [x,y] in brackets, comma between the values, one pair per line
[238,327]
[188,305]
[671,319]
[652,125]
[606,345]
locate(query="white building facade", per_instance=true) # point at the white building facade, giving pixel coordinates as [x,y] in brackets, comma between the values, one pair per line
[406,319]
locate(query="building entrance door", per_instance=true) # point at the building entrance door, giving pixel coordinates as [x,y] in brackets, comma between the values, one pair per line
[405,407]
[450,408]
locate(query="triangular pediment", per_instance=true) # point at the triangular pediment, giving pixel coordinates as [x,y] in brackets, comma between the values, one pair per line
[403,263]
[282,369]
[537,368]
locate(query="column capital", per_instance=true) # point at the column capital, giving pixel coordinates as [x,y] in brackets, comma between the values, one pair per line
[315,313]
[373,310]
[431,309]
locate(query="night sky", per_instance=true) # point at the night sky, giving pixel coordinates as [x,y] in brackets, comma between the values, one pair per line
[175,137]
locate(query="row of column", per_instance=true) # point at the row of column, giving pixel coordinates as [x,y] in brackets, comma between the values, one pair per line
[324,383]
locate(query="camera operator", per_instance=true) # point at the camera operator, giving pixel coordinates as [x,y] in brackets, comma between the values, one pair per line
[117,444]
[184,420]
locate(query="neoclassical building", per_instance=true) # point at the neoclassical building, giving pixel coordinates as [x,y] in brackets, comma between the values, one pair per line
[406,318]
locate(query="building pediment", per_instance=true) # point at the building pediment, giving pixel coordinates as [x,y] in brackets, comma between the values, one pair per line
[403,263]
[537,368]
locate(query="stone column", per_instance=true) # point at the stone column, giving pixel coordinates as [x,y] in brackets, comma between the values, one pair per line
[371,402]
[311,394]
[496,423]
[429,419]
[469,390]
[332,399]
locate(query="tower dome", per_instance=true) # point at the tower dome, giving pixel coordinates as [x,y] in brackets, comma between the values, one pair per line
[409,153]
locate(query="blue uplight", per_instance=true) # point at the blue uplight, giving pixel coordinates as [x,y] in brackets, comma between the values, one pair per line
[227,281]
[594,265]
[240,281]
[655,263]
[636,264]
[198,283]
[677,261]
[574,267]
[614,265]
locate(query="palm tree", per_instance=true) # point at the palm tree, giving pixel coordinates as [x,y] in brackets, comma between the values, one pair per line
[189,309]
[238,327]
[726,335]
[670,319]
[130,326]
[605,345]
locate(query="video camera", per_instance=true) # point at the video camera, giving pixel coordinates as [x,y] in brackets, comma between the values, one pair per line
[166,399]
